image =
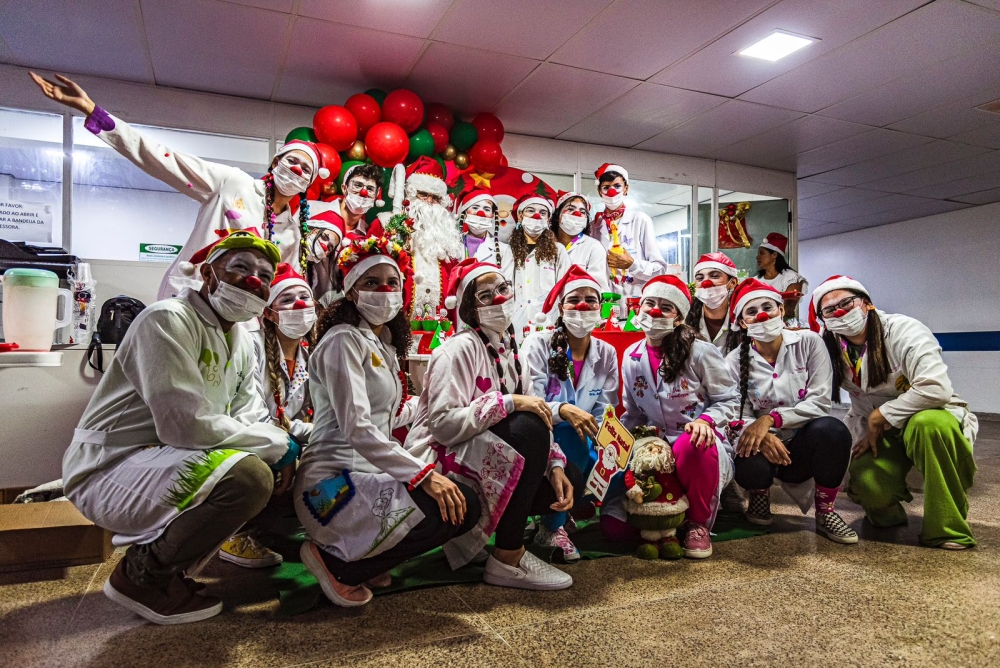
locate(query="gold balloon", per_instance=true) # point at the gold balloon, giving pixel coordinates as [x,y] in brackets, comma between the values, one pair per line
[449,152]
[461,159]
[357,151]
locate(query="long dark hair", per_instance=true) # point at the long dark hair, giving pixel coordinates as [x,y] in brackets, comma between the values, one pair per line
[780,263]
[268,227]
[554,223]
[272,362]
[345,312]
[546,247]
[558,357]
[878,357]
[737,338]
[676,351]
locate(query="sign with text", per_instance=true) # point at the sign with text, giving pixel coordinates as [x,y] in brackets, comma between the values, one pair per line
[158,252]
[25,221]
[614,447]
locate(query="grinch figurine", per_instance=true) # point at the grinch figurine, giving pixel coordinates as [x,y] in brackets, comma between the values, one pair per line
[656,502]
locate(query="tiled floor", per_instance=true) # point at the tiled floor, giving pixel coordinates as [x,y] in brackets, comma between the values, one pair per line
[789,598]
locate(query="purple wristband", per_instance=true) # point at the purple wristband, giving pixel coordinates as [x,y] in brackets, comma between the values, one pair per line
[776,416]
[705,417]
[99,121]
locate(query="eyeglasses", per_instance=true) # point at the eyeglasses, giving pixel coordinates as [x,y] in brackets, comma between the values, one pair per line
[485,297]
[354,187]
[430,198]
[751,312]
[843,304]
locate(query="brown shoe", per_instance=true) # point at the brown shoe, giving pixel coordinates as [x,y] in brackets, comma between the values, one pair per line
[174,604]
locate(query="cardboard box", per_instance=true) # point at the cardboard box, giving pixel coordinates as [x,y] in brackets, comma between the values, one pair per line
[52,534]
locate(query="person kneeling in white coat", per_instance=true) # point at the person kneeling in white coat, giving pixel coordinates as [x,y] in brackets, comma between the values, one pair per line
[171,454]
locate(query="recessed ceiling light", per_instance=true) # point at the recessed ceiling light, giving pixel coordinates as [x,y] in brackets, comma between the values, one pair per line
[776,46]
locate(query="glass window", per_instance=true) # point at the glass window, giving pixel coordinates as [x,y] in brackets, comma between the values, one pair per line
[121,213]
[704,221]
[31,164]
[744,221]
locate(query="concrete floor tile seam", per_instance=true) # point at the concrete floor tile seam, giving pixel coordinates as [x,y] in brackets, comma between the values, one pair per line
[454,592]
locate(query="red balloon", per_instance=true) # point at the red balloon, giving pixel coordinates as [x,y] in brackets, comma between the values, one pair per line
[440,135]
[503,161]
[486,156]
[387,144]
[489,127]
[403,108]
[330,160]
[438,113]
[335,126]
[366,111]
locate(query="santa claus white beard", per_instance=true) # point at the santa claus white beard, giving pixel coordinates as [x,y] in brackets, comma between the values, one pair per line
[435,239]
[644,461]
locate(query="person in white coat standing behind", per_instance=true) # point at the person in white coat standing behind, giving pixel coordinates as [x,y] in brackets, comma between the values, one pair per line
[228,197]
[478,211]
[571,225]
[785,378]
[539,261]
[578,377]
[904,413]
[366,503]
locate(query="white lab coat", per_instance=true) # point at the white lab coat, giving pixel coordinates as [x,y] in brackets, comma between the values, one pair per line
[462,399]
[229,199]
[589,254]
[487,253]
[532,284]
[356,390]
[797,388]
[593,391]
[176,409]
[636,235]
[295,390]
[918,381]
[786,278]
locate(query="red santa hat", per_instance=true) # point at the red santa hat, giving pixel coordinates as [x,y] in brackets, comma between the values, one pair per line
[718,261]
[347,177]
[425,174]
[671,288]
[746,292]
[309,149]
[574,279]
[609,167]
[528,199]
[363,254]
[231,240]
[829,285]
[285,277]
[475,196]
[462,276]
[777,242]
[566,195]
[326,216]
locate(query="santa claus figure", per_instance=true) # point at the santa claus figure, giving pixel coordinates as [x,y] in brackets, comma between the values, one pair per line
[656,501]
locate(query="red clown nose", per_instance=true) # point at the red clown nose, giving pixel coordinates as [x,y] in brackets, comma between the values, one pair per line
[655,312]
[762,317]
[481,214]
[299,304]
[536,216]
[612,192]
[384,288]
[578,214]
[498,300]
[707,284]
[252,282]
[363,193]
[295,169]
[839,313]
[583,306]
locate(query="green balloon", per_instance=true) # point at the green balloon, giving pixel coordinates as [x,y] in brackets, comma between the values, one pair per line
[344,166]
[463,135]
[378,94]
[302,134]
[421,143]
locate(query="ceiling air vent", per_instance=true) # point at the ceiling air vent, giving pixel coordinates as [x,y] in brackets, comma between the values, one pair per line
[990,107]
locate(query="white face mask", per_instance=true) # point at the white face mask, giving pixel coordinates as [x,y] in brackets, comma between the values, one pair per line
[233,304]
[378,308]
[497,317]
[712,297]
[655,328]
[581,323]
[287,182]
[612,203]
[478,225]
[296,323]
[851,323]
[534,227]
[766,331]
[572,224]
[357,204]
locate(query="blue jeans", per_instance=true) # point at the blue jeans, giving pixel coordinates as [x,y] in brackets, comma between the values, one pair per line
[578,452]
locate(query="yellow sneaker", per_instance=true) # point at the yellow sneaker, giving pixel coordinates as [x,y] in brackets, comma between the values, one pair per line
[244,550]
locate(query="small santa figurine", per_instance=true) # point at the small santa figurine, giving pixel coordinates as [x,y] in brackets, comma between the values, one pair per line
[655,499]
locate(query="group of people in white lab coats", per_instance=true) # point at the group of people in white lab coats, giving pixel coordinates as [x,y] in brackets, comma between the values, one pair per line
[236,388]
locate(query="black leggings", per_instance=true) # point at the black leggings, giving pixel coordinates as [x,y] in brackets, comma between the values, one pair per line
[528,435]
[820,450]
[430,532]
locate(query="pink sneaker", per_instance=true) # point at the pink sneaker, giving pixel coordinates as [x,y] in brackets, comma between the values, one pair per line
[697,542]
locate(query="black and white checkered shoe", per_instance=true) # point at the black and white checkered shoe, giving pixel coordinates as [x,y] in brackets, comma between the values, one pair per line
[833,527]
[759,508]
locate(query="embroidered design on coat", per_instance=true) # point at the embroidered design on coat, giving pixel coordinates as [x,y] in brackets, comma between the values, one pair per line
[210,360]
[488,408]
[192,477]
[640,386]
[391,519]
[376,361]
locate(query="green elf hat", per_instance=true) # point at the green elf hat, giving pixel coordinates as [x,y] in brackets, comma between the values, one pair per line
[232,240]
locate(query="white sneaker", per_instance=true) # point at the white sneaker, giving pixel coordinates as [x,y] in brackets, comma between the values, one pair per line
[531,573]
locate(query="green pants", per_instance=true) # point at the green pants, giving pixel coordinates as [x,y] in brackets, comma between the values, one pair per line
[932,440]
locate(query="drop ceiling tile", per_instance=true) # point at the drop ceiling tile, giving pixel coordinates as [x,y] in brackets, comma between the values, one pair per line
[854,150]
[525,28]
[276,5]
[798,136]
[817,206]
[964,186]
[804,223]
[928,35]
[644,111]
[928,207]
[988,137]
[869,207]
[984,163]
[720,126]
[989,4]
[820,231]
[554,97]
[981,197]
[955,117]
[807,188]
[215,46]
[363,59]
[638,38]
[96,37]
[416,19]
[718,68]
[468,80]
[900,162]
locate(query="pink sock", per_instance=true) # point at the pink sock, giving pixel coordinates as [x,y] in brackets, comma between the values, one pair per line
[698,473]
[825,498]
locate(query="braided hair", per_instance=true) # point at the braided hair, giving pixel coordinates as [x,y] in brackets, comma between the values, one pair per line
[558,359]
[270,217]
[272,357]
[744,344]
[676,351]
[496,230]
[546,247]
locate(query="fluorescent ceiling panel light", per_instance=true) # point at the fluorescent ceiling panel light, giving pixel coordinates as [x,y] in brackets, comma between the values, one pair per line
[776,46]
